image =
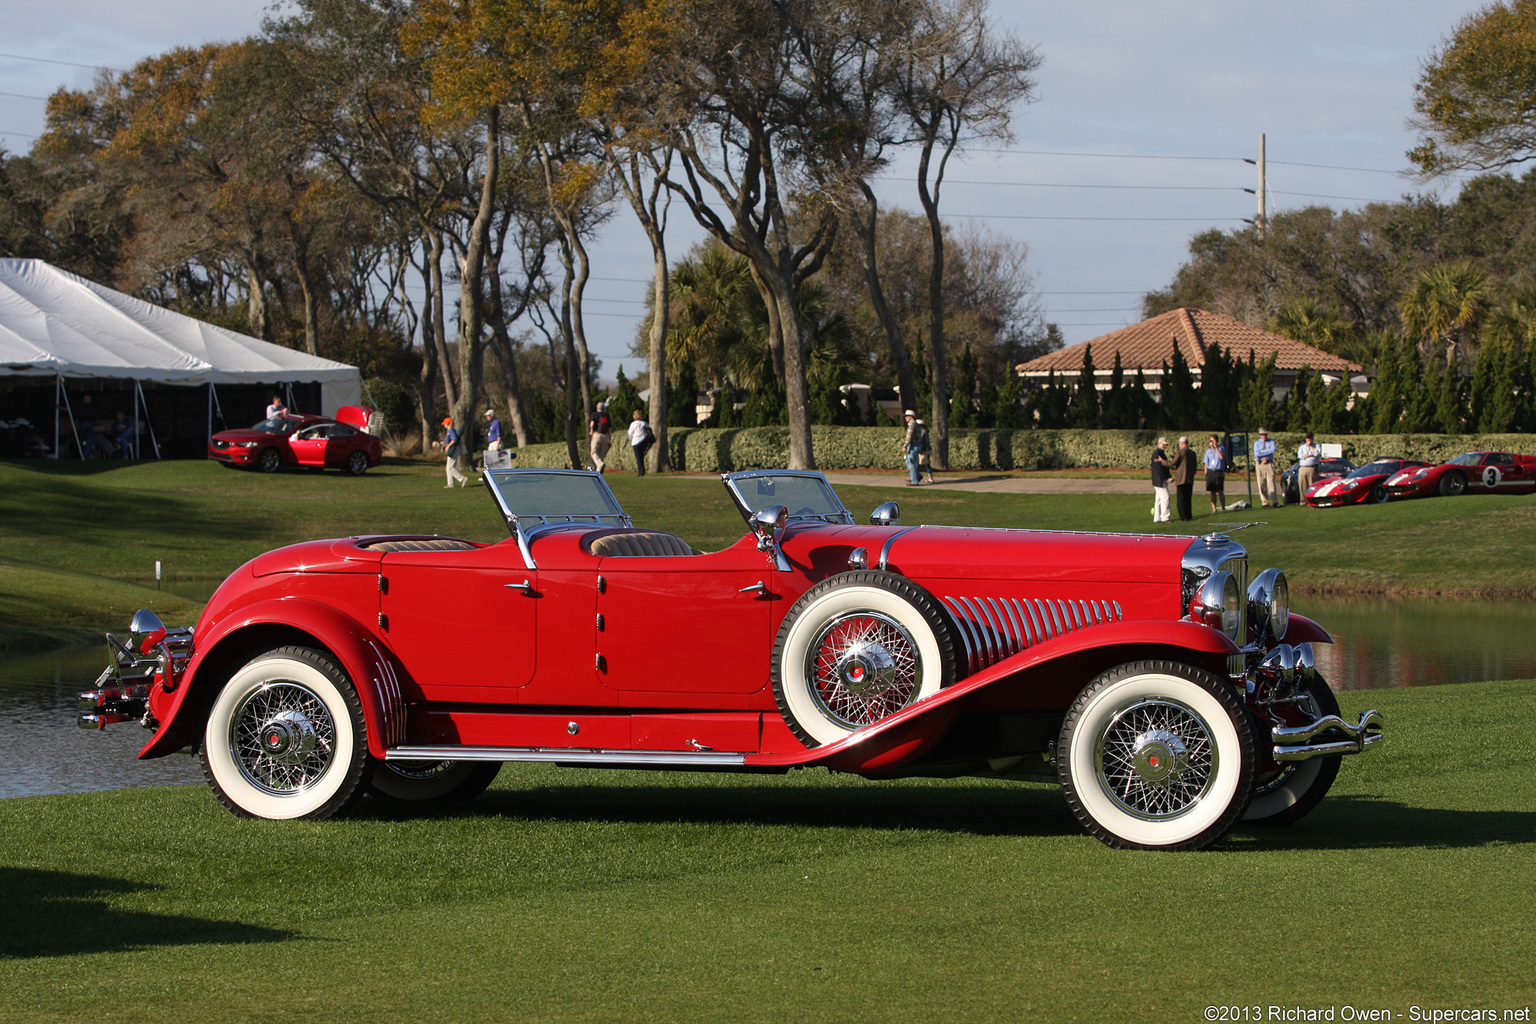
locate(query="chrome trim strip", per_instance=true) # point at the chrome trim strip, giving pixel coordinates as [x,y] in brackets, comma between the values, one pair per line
[885,549]
[1015,622]
[983,628]
[1005,641]
[1118,613]
[1034,622]
[966,636]
[552,755]
[1058,617]
[999,608]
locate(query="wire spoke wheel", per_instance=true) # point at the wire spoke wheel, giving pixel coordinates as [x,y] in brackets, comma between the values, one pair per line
[282,737]
[863,667]
[1156,759]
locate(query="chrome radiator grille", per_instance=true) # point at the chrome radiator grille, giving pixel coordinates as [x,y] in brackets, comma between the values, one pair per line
[994,628]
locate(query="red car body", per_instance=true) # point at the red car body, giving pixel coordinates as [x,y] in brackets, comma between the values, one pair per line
[1367,483]
[1472,473]
[1134,670]
[294,439]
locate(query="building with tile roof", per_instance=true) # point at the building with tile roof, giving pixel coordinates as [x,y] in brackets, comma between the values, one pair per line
[1149,345]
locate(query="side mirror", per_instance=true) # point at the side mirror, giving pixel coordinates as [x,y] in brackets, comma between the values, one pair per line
[886,514]
[769,526]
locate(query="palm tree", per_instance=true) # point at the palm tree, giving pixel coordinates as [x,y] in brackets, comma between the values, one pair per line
[1444,309]
[1310,322]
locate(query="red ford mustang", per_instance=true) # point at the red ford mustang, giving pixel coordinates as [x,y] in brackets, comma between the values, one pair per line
[293,439]
[1360,485]
[1475,472]
[1168,695]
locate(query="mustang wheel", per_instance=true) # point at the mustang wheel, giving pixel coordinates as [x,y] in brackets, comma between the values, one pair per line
[1452,484]
[286,738]
[1287,795]
[416,781]
[856,648]
[1156,755]
[269,460]
[357,464]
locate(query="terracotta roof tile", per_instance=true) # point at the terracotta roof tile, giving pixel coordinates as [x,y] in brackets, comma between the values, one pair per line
[1148,344]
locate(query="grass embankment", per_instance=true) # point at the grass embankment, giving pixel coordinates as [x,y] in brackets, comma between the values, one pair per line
[78,542]
[570,895]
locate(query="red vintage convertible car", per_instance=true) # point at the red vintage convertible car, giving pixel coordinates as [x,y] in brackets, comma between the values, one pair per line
[294,439]
[1166,693]
[1474,472]
[1360,485]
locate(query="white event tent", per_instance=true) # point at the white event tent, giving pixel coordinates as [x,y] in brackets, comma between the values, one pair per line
[56,324]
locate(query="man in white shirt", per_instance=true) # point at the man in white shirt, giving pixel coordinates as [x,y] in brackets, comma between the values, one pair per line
[1264,459]
[1307,458]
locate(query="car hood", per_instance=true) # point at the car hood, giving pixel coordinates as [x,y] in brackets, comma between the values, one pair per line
[953,552]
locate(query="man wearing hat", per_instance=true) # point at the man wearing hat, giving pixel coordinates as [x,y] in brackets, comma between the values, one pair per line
[1307,458]
[600,431]
[492,432]
[453,449]
[912,447]
[1264,459]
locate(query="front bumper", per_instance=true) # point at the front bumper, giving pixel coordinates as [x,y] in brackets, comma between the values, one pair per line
[1277,684]
[153,656]
[1327,735]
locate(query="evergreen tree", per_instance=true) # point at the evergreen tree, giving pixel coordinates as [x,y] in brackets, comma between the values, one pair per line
[1485,383]
[766,406]
[1218,388]
[1117,411]
[1504,404]
[1298,415]
[1386,392]
[962,405]
[1329,405]
[1450,415]
[986,399]
[1142,403]
[1179,399]
[1008,409]
[1256,396]
[1421,391]
[683,397]
[624,400]
[1084,409]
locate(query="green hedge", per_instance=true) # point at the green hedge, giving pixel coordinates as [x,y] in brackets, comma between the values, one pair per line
[725,449]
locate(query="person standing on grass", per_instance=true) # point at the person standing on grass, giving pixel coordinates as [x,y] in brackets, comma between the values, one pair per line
[640,440]
[1183,469]
[1161,499]
[924,452]
[1216,475]
[1264,459]
[1307,458]
[911,447]
[452,447]
[492,432]
[600,432]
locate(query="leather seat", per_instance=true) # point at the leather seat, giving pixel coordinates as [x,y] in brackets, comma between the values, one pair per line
[422,544]
[637,543]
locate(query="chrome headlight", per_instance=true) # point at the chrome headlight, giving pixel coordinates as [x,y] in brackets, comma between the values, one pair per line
[1269,605]
[1217,605]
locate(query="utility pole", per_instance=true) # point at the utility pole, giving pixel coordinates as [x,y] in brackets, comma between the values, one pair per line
[1258,218]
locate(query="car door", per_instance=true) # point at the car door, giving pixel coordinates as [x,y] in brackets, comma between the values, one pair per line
[684,624]
[462,622]
[309,445]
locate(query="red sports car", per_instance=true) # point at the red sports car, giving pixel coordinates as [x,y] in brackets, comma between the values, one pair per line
[1360,485]
[293,439]
[1476,472]
[1166,694]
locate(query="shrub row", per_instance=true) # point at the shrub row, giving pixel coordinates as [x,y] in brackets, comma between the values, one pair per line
[725,449]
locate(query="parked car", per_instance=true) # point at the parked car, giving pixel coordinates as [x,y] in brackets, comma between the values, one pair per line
[1476,472]
[1360,485]
[1167,693]
[1326,469]
[293,439]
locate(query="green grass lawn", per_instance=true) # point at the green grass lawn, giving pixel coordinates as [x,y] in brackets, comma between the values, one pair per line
[580,895]
[79,542]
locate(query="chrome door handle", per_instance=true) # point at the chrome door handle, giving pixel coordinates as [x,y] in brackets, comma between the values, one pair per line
[758,586]
[524,586]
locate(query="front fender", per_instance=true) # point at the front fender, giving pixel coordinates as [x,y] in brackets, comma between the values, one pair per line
[364,658]
[1303,630]
[905,736]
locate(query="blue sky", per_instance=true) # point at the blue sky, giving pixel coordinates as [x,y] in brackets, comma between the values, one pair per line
[1144,113]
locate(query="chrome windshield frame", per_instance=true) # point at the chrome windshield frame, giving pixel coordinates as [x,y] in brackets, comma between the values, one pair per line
[526,527]
[842,516]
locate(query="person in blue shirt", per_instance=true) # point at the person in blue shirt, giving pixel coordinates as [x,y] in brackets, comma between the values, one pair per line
[1215,475]
[492,432]
[453,448]
[1264,459]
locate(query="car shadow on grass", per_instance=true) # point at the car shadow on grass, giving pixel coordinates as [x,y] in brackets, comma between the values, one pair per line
[54,913]
[1367,822]
[1022,810]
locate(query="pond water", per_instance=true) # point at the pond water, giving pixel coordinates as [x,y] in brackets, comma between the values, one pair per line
[1379,644]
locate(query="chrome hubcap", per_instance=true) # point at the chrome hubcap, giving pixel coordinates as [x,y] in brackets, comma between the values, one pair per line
[282,738]
[1155,759]
[863,667]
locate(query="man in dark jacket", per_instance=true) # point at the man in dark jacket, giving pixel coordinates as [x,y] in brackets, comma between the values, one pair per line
[1183,469]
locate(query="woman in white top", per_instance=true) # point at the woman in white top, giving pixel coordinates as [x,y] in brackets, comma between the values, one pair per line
[640,439]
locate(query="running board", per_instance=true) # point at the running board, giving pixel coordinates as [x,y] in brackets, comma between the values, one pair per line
[562,755]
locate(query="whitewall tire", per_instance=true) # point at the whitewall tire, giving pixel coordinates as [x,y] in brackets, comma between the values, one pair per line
[286,738]
[1289,794]
[856,648]
[421,781]
[1156,755]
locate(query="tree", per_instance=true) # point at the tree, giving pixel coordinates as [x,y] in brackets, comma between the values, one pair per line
[1256,394]
[1084,409]
[1444,308]
[1475,100]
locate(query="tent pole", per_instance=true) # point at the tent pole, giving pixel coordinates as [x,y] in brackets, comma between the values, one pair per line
[74,430]
[147,422]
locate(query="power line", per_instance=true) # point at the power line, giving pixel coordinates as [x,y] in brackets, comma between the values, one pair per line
[65,63]
[1105,156]
[19,135]
[1052,184]
[24,96]
[1026,216]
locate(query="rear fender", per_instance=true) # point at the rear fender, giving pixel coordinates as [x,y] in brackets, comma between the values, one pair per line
[272,624]
[1045,677]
